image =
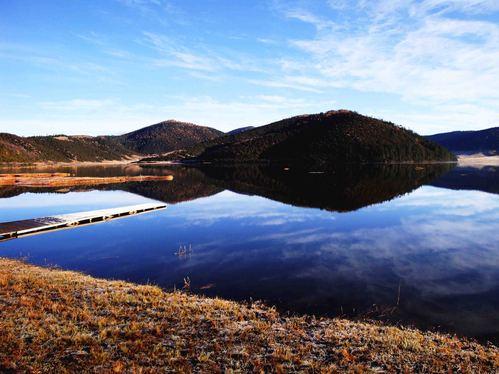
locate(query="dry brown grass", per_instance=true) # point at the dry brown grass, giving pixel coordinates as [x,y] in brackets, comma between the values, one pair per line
[60,321]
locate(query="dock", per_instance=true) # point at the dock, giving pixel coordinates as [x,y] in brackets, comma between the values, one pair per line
[15,229]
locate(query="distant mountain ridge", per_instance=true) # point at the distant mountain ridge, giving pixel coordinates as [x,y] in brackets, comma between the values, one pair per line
[318,140]
[481,141]
[240,129]
[155,139]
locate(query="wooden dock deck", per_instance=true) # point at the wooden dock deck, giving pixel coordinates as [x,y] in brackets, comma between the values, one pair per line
[15,229]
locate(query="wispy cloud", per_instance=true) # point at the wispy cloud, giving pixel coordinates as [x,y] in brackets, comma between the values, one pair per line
[430,65]
[112,115]
[419,51]
[308,17]
[148,6]
[172,53]
[240,111]
[36,56]
[266,41]
[306,84]
[93,38]
[76,104]
[105,45]
[440,60]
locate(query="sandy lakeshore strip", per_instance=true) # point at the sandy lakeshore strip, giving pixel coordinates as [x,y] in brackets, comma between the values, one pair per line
[478,160]
[51,164]
[53,321]
[67,180]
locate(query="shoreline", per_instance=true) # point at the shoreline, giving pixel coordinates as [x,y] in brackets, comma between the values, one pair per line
[54,320]
[477,160]
[282,163]
[462,160]
[42,180]
[42,164]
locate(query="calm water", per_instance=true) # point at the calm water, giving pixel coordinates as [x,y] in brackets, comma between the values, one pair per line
[406,244]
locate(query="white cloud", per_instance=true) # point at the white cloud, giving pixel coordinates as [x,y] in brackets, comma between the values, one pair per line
[266,41]
[416,50]
[76,104]
[111,116]
[20,206]
[272,98]
[50,61]
[305,16]
[448,116]
[295,83]
[471,6]
[199,59]
[430,65]
[243,111]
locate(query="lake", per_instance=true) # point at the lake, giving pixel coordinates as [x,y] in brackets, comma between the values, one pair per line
[406,244]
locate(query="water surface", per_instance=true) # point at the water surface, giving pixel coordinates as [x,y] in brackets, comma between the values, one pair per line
[416,245]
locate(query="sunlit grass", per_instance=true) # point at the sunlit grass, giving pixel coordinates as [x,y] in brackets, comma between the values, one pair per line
[54,321]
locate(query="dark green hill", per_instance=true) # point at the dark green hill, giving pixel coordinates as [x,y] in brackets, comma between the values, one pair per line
[320,140]
[482,141]
[166,136]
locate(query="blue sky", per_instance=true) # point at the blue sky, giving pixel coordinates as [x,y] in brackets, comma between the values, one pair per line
[109,67]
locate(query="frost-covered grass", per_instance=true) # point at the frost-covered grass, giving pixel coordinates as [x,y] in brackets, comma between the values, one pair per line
[53,321]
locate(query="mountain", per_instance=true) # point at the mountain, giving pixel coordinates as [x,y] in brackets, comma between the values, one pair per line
[162,137]
[240,129]
[466,142]
[312,140]
[166,136]
[60,148]
[318,140]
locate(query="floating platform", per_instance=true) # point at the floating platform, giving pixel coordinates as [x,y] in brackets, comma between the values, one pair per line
[15,229]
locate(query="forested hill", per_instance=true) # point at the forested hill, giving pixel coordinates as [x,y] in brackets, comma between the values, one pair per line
[316,139]
[162,137]
[321,139]
[61,148]
[482,141]
[167,136]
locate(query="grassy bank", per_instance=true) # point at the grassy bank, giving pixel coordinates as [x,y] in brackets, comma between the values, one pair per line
[52,320]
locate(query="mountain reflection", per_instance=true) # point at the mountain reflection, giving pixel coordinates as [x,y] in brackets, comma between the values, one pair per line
[429,258]
[188,184]
[344,188]
[484,178]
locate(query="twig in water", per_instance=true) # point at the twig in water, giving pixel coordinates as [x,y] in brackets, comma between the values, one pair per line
[398,294]
[184,251]
[187,284]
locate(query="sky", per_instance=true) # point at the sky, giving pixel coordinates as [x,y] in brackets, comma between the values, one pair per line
[112,66]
